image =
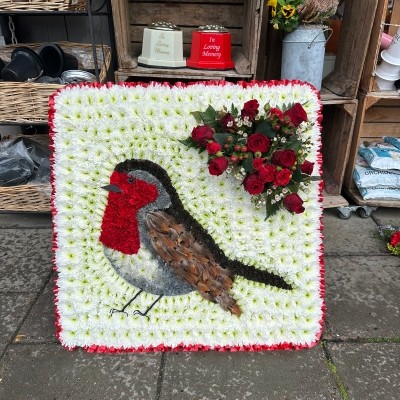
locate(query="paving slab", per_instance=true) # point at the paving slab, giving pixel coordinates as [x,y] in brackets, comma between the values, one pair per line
[25,259]
[13,308]
[25,220]
[49,372]
[362,297]
[39,326]
[256,376]
[352,236]
[2,349]
[368,371]
[387,216]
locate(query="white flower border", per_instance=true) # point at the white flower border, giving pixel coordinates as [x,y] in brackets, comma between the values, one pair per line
[96,127]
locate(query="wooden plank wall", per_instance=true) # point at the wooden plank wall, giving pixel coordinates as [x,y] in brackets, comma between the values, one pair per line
[189,16]
[382,119]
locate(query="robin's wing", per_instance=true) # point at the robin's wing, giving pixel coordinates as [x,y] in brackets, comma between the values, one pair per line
[190,259]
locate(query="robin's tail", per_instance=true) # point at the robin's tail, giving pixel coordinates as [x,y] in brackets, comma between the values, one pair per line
[228,303]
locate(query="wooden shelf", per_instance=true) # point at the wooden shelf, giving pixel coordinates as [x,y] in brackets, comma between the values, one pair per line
[332,201]
[179,73]
[355,195]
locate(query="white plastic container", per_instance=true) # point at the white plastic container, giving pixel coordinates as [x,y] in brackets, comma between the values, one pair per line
[393,51]
[388,69]
[162,46]
[384,82]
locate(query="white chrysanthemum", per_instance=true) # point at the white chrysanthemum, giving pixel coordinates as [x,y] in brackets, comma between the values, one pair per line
[97,128]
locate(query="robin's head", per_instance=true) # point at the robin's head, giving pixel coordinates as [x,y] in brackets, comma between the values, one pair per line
[136,189]
[129,190]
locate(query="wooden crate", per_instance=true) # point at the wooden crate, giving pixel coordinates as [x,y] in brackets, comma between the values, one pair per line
[244,20]
[337,131]
[356,28]
[385,21]
[377,116]
[378,111]
[29,197]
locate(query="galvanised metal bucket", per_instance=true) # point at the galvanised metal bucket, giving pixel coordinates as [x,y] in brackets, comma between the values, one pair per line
[303,54]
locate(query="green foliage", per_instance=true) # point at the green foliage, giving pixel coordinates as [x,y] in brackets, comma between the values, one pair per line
[270,208]
[266,129]
[248,163]
[284,15]
[189,142]
[221,138]
[234,111]
[208,116]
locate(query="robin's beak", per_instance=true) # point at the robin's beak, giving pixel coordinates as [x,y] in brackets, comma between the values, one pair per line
[112,188]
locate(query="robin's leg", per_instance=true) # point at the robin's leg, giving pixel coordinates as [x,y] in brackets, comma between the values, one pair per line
[113,310]
[137,312]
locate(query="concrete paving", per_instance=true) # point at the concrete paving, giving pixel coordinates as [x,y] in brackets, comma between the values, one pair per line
[358,357]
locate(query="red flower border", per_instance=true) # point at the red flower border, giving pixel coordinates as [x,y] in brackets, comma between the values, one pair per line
[194,347]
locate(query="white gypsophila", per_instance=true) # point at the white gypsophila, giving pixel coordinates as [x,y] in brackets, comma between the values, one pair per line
[97,128]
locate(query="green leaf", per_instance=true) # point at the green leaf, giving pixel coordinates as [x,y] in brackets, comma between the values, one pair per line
[286,107]
[297,175]
[189,142]
[271,209]
[248,163]
[294,144]
[266,129]
[197,116]
[234,111]
[221,138]
[208,116]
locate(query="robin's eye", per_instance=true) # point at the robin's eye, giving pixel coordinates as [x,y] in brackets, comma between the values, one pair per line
[131,180]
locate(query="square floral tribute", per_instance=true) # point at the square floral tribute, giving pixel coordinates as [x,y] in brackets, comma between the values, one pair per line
[187,217]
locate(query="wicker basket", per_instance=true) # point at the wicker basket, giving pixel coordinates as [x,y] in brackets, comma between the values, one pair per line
[28,102]
[27,198]
[43,5]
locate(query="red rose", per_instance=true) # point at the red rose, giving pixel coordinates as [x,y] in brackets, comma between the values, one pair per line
[202,134]
[251,105]
[293,203]
[252,184]
[258,163]
[250,109]
[307,167]
[258,142]
[297,114]
[284,158]
[395,239]
[282,177]
[267,173]
[228,121]
[275,112]
[213,147]
[218,165]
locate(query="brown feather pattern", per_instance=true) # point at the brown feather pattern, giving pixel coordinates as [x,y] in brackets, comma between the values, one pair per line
[190,259]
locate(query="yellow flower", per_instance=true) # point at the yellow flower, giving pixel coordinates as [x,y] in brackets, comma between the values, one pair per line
[272,3]
[288,11]
[273,12]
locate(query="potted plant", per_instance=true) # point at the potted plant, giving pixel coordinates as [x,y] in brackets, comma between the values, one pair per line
[304,41]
